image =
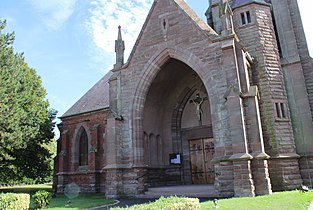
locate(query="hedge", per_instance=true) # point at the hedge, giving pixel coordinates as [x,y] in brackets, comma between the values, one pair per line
[41,199]
[169,203]
[11,201]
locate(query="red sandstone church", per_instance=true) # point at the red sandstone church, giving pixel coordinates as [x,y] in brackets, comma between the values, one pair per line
[227,103]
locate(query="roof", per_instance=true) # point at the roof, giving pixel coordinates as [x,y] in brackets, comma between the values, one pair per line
[239,3]
[95,99]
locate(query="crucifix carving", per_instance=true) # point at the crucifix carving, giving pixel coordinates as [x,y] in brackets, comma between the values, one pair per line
[198,102]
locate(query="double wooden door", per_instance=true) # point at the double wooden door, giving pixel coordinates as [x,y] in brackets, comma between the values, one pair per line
[201,154]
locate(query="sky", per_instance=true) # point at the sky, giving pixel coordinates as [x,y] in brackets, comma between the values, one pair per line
[70,43]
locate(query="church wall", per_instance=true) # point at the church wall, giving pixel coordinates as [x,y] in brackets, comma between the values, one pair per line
[152,44]
[89,178]
[259,39]
[306,168]
[155,47]
[292,39]
[298,70]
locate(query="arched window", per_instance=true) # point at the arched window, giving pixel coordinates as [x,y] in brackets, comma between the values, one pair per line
[83,149]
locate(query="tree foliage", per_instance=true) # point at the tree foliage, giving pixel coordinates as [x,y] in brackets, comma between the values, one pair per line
[26,124]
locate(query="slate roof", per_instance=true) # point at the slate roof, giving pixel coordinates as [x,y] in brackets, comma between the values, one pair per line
[239,3]
[96,98]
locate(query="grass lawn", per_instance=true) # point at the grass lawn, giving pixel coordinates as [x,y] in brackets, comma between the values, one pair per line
[30,189]
[81,202]
[291,200]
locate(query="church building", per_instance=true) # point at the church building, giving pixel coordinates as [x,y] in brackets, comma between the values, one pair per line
[226,103]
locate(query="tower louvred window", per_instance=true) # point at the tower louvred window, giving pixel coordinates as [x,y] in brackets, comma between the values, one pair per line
[245,18]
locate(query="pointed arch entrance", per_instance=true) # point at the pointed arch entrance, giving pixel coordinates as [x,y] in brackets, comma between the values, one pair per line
[177,128]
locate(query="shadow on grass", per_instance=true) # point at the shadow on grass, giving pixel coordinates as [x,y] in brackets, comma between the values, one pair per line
[83,201]
[29,189]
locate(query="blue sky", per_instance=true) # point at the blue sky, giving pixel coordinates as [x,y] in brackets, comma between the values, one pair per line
[71,42]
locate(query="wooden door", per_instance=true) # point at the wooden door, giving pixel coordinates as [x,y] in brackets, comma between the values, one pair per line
[201,154]
[208,145]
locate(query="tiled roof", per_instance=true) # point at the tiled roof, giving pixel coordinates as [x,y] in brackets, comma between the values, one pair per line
[239,3]
[96,98]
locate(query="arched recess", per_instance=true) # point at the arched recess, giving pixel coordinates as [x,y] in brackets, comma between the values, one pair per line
[150,71]
[158,116]
[81,145]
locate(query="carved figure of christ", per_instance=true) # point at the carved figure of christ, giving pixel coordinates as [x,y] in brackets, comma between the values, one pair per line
[198,102]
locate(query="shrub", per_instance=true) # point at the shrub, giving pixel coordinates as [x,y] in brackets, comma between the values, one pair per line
[11,201]
[170,203]
[41,199]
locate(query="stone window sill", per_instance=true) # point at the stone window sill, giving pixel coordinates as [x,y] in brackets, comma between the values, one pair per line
[82,168]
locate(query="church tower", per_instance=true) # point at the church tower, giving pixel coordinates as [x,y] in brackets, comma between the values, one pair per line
[297,66]
[253,22]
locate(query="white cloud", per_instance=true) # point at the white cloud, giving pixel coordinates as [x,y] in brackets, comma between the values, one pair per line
[54,13]
[107,15]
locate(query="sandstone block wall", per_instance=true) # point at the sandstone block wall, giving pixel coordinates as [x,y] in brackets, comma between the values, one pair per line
[259,39]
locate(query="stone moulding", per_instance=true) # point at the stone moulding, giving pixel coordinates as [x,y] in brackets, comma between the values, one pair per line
[241,156]
[285,156]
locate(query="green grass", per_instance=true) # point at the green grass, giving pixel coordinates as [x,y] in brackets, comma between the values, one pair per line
[30,189]
[291,200]
[81,202]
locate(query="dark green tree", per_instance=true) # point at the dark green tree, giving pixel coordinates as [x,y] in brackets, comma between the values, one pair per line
[34,161]
[25,122]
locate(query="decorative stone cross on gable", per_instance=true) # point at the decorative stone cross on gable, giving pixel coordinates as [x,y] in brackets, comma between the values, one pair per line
[198,102]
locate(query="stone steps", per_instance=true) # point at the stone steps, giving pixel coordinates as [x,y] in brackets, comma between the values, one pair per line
[199,191]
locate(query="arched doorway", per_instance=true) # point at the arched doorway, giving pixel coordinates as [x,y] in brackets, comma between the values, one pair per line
[177,128]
